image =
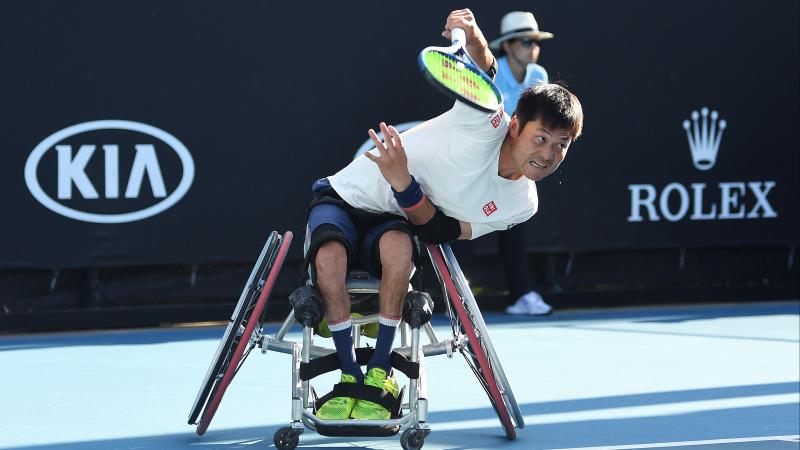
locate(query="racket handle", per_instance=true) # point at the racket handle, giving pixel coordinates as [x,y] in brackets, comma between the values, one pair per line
[458,37]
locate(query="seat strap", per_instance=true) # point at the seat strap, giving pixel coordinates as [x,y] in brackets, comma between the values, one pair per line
[330,363]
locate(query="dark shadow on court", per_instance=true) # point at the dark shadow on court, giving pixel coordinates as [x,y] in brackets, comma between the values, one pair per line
[622,401]
[131,337]
[540,433]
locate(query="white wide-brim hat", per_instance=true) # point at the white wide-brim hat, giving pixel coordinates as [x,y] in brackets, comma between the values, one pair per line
[519,24]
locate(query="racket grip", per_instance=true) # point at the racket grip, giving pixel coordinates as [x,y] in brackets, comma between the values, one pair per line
[458,37]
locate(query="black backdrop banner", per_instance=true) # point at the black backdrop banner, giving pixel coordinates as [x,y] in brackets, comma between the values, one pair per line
[144,132]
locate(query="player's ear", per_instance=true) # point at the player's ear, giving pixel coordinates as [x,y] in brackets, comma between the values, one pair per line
[513,127]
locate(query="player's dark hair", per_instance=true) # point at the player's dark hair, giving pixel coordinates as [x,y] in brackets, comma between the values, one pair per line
[552,104]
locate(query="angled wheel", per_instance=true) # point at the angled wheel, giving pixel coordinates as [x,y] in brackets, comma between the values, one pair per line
[471,306]
[412,439]
[245,323]
[479,352]
[286,438]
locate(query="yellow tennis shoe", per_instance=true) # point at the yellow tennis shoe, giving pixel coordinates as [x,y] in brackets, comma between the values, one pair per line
[366,410]
[338,408]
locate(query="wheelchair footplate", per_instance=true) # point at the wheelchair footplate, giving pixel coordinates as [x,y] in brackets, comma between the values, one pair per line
[353,427]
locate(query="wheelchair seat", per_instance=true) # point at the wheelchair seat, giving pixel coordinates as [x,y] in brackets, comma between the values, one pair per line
[362,282]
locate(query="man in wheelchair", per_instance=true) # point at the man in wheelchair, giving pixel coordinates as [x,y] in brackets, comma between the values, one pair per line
[460,175]
[341,235]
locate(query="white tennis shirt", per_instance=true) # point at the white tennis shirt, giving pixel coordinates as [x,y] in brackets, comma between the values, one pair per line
[455,158]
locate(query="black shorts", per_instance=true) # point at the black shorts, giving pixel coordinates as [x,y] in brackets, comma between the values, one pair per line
[331,218]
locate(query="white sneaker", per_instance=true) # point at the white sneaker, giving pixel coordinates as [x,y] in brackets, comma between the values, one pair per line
[531,304]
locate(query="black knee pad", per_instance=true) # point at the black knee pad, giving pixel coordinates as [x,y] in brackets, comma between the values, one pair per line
[417,309]
[322,234]
[307,305]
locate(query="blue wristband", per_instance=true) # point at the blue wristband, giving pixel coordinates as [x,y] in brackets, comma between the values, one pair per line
[410,196]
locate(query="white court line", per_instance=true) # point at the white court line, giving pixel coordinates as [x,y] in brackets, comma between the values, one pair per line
[685,443]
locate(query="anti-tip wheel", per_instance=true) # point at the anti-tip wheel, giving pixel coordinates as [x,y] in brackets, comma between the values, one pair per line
[412,439]
[286,438]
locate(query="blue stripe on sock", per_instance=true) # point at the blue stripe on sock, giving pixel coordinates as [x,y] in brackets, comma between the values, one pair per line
[343,340]
[383,347]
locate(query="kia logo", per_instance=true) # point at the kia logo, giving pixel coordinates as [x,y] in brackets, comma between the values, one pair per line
[109,171]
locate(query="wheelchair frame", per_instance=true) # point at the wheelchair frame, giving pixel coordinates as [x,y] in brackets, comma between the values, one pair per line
[470,337]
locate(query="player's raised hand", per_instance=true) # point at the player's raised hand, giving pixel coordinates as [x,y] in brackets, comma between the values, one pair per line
[463,18]
[392,162]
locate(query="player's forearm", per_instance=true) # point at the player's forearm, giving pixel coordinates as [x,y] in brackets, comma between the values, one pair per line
[422,213]
[480,52]
[478,49]
[430,224]
[466,230]
[425,213]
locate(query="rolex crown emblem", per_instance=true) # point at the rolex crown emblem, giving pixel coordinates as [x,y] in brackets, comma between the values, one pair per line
[704,138]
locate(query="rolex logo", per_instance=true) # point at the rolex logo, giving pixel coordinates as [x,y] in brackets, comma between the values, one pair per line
[702,199]
[704,140]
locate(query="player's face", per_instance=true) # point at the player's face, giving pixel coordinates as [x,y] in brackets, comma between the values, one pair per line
[537,150]
[524,50]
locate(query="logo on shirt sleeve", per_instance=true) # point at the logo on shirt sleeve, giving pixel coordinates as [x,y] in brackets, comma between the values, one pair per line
[497,118]
[489,208]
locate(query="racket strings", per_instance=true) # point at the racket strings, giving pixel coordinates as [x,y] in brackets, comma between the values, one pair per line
[460,78]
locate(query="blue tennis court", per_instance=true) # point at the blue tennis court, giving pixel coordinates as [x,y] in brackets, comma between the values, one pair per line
[687,377]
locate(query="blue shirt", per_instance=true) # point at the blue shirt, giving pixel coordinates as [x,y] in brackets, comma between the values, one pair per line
[508,85]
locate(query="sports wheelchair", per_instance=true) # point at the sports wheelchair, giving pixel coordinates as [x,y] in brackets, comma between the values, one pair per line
[470,337]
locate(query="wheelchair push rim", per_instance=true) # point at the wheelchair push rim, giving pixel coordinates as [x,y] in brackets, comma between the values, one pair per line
[482,362]
[236,342]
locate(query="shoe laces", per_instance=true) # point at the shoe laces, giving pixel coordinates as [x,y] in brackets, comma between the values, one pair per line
[376,375]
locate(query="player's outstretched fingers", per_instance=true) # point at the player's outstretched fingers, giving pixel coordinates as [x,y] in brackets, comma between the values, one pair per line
[372,157]
[398,141]
[388,139]
[377,142]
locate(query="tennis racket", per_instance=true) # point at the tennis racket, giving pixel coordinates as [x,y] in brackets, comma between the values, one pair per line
[453,72]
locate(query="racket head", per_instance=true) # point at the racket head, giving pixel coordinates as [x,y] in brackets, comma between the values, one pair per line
[459,79]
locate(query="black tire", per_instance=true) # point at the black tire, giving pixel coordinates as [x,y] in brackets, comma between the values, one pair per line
[286,438]
[412,439]
[231,337]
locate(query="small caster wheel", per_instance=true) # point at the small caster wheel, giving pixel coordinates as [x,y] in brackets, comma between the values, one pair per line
[412,439]
[286,438]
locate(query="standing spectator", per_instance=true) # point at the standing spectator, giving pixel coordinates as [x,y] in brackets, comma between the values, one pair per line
[518,47]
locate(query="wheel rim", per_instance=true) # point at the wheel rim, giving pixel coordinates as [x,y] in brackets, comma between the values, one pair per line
[241,351]
[483,371]
[229,339]
[471,305]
